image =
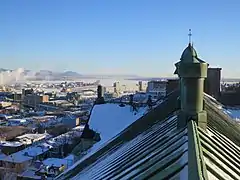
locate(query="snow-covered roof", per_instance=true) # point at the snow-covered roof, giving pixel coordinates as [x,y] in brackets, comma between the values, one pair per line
[140,157]
[81,127]
[70,157]
[66,137]
[30,173]
[33,136]
[56,162]
[233,113]
[17,120]
[26,154]
[10,143]
[110,119]
[152,149]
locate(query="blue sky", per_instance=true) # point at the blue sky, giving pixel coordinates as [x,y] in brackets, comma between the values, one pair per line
[143,37]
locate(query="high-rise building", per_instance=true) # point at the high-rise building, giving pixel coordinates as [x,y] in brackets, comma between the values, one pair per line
[116,86]
[157,88]
[140,86]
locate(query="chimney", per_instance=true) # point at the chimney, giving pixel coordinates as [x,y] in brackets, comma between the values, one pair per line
[172,85]
[212,84]
[100,98]
[192,72]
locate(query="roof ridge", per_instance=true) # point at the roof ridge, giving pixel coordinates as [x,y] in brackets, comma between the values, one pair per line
[196,165]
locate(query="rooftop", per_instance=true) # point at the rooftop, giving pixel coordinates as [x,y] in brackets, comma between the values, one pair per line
[56,162]
[152,147]
[26,154]
[110,119]
[33,136]
[11,143]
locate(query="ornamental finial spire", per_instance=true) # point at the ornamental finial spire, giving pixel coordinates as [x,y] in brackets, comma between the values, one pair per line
[190,36]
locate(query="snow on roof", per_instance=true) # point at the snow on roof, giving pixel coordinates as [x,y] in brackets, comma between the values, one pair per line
[116,118]
[81,127]
[110,119]
[17,120]
[26,154]
[70,157]
[10,144]
[33,136]
[30,173]
[56,162]
[59,101]
[2,156]
[65,138]
[233,113]
[43,117]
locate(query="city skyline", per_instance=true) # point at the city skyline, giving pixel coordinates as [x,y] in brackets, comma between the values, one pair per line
[141,37]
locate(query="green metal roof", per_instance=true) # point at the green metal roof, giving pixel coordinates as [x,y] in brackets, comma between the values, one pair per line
[158,150]
[189,54]
[221,156]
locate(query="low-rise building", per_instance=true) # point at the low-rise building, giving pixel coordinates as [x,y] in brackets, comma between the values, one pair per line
[28,139]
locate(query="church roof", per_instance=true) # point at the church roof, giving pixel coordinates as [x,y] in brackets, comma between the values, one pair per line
[153,148]
[189,55]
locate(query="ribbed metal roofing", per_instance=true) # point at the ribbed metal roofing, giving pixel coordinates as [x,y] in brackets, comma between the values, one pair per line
[161,151]
[221,155]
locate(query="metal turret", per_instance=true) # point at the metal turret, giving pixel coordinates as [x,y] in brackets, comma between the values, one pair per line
[192,72]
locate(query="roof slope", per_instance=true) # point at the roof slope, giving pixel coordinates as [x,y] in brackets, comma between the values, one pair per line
[162,111]
[160,147]
[221,155]
[153,148]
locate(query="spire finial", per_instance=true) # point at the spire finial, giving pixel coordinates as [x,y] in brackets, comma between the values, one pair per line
[190,36]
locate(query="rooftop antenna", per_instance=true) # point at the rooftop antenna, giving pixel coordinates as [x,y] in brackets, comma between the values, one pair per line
[190,36]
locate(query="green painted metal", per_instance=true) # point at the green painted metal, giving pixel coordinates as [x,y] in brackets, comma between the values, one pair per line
[196,164]
[161,164]
[192,71]
[220,164]
[221,155]
[157,168]
[161,152]
[165,173]
[221,122]
[189,54]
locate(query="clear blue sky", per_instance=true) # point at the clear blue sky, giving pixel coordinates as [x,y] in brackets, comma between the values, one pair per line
[143,37]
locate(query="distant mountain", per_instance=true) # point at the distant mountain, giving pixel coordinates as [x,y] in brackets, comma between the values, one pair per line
[4,70]
[51,75]
[67,75]
[71,73]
